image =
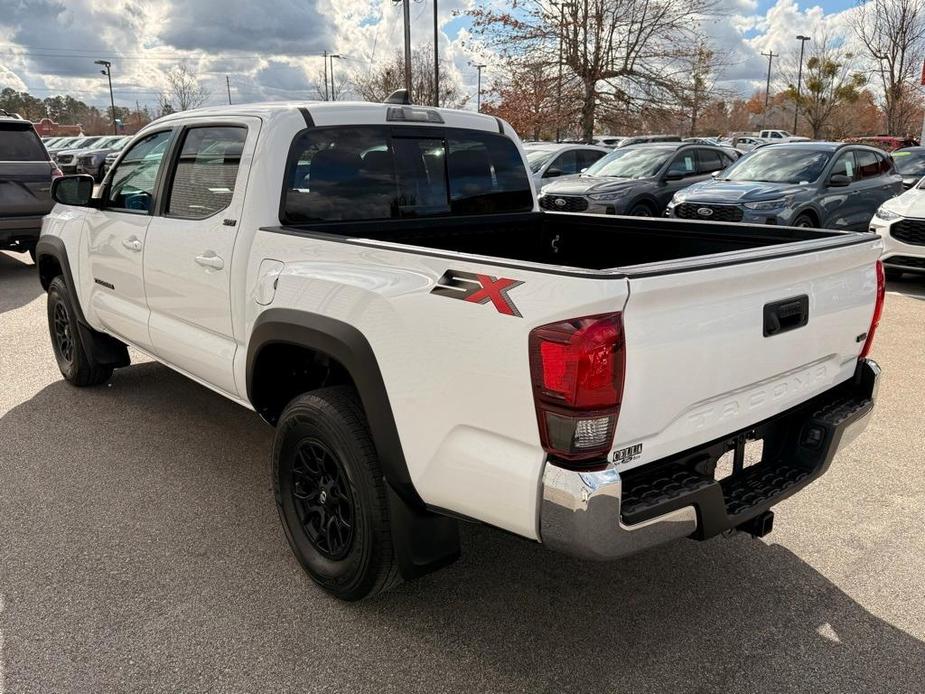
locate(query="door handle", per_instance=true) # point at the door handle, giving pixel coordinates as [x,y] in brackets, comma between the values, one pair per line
[210,260]
[132,244]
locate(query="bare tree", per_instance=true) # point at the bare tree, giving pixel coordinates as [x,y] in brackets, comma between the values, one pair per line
[184,91]
[525,96]
[893,34]
[380,81]
[829,81]
[623,51]
[704,70]
[337,86]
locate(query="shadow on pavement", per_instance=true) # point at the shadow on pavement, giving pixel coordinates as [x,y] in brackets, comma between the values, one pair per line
[141,545]
[908,285]
[19,281]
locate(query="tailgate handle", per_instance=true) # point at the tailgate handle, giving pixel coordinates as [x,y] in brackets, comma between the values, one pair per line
[789,314]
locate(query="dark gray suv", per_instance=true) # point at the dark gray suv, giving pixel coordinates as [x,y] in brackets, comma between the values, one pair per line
[806,184]
[638,180]
[26,171]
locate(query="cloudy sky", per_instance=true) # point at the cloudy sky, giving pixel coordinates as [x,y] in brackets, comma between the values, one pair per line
[272,49]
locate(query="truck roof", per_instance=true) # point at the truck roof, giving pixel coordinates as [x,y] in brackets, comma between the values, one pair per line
[341,113]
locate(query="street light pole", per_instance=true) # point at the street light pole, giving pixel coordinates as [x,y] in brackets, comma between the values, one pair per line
[478,93]
[325,75]
[767,88]
[407,19]
[436,58]
[228,87]
[112,102]
[331,56]
[796,107]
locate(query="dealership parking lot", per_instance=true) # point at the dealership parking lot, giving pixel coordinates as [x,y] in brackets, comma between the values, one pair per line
[140,551]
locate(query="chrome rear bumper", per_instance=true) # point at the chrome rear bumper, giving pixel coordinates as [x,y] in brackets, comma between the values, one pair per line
[594,515]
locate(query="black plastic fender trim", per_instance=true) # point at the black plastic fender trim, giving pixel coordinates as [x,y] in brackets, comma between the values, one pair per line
[348,346]
[102,348]
[423,541]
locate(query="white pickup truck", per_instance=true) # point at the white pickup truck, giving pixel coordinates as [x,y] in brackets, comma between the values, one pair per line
[377,282]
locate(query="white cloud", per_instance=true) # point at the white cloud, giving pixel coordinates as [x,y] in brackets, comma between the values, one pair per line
[272,50]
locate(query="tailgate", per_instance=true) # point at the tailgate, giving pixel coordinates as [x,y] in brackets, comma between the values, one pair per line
[25,188]
[714,350]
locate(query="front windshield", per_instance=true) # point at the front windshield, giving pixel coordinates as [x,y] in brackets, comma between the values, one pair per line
[537,157]
[631,162]
[120,144]
[779,165]
[910,163]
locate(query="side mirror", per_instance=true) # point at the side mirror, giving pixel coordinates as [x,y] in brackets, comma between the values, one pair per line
[716,173]
[839,181]
[73,190]
[673,176]
[553,173]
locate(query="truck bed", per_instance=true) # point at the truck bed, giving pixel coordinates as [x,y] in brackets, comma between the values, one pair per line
[579,241]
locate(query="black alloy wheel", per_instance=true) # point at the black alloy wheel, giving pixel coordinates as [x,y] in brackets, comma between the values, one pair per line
[322,497]
[64,340]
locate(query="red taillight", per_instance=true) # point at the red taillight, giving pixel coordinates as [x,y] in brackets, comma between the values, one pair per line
[878,310]
[577,368]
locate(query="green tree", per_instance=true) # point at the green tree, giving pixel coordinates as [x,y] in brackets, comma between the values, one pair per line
[22,103]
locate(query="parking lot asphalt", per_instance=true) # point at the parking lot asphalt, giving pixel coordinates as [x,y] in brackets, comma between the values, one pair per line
[140,551]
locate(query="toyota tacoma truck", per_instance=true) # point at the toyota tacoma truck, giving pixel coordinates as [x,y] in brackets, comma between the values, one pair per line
[378,283]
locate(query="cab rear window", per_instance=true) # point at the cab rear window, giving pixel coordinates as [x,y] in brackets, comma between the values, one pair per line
[19,142]
[356,173]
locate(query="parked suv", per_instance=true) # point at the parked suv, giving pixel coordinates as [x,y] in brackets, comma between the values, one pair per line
[811,184]
[638,180]
[26,172]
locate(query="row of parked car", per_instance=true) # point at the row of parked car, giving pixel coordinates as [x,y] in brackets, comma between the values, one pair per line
[91,154]
[833,185]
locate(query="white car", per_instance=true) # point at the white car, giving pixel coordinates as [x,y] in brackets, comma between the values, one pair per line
[549,160]
[378,283]
[900,222]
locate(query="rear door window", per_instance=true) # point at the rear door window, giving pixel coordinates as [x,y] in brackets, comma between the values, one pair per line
[586,157]
[710,161]
[204,176]
[886,164]
[20,143]
[868,163]
[378,172]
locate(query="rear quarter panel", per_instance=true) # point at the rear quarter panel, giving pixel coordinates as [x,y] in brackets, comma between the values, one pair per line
[457,373]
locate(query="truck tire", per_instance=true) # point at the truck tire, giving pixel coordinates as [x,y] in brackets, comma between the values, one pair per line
[75,364]
[331,495]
